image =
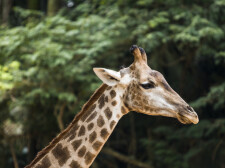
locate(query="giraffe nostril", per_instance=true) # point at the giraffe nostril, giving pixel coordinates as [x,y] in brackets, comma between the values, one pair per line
[190,108]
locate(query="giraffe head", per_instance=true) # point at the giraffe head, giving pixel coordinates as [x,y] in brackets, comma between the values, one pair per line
[146,90]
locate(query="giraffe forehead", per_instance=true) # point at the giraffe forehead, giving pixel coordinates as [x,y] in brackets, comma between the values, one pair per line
[146,74]
[136,72]
[140,71]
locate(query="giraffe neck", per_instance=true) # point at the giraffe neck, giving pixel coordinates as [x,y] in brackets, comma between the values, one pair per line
[82,143]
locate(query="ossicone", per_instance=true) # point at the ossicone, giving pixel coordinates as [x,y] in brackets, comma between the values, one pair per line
[138,53]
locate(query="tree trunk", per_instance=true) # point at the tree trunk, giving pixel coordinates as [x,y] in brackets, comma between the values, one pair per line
[32,148]
[1,8]
[6,7]
[15,162]
[33,4]
[132,145]
[53,7]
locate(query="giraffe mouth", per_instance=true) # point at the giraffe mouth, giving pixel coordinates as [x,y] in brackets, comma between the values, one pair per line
[188,118]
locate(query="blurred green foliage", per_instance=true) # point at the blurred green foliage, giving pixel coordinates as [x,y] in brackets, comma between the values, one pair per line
[46,67]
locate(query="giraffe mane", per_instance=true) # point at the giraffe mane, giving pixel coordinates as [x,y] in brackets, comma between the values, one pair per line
[85,107]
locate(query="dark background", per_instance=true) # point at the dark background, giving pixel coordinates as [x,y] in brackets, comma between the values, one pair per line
[49,47]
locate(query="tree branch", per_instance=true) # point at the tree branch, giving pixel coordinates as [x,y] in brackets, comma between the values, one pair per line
[124,158]
[59,116]
[216,149]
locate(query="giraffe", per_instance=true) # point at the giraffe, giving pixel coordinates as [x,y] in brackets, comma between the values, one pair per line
[135,88]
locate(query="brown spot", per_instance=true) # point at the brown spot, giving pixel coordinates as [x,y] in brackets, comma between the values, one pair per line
[112,124]
[92,116]
[136,103]
[92,136]
[149,109]
[114,103]
[81,131]
[127,99]
[61,154]
[109,87]
[131,67]
[86,139]
[72,133]
[113,93]
[76,144]
[123,110]
[138,97]
[71,137]
[145,101]
[74,164]
[104,133]
[101,101]
[89,157]
[90,126]
[88,112]
[118,116]
[45,163]
[97,145]
[108,113]
[100,121]
[82,151]
[106,98]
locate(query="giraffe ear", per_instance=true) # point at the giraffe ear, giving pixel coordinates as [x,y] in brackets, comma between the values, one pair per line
[108,76]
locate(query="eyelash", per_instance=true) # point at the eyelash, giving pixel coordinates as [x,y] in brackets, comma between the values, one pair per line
[148,85]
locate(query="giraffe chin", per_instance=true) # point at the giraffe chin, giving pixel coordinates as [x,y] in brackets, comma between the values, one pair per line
[187,119]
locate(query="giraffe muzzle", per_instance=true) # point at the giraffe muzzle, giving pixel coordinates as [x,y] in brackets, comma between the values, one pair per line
[188,117]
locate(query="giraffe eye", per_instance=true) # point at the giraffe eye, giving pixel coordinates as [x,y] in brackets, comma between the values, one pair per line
[148,85]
